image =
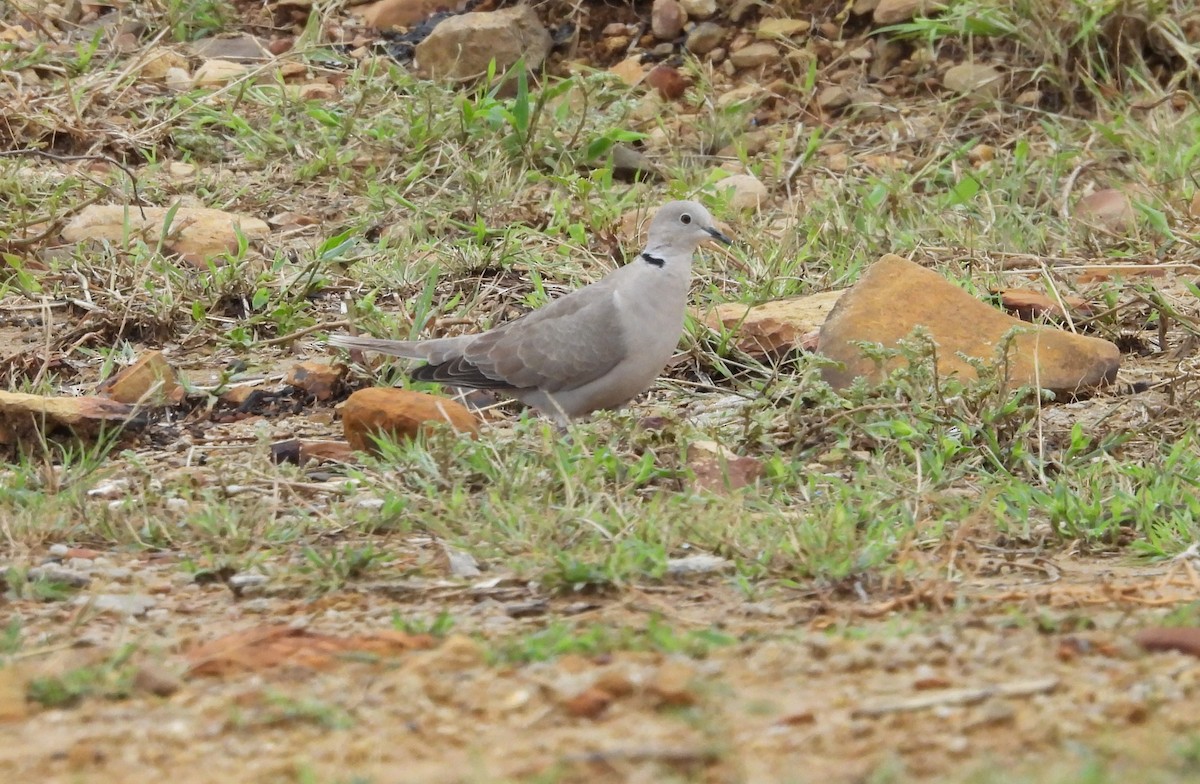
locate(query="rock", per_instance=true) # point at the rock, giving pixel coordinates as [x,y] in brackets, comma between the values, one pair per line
[894,11]
[24,416]
[460,47]
[699,9]
[588,704]
[668,81]
[152,680]
[300,452]
[774,329]
[630,70]
[1170,638]
[771,29]
[128,604]
[400,413]
[179,80]
[215,73]
[1108,209]
[672,684]
[746,192]
[149,381]
[895,295]
[239,49]
[667,19]
[833,97]
[981,80]
[196,233]
[754,55]
[159,60]
[718,470]
[317,378]
[398,13]
[741,8]
[704,37]
[58,574]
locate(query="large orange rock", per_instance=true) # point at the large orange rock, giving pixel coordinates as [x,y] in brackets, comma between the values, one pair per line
[894,296]
[400,413]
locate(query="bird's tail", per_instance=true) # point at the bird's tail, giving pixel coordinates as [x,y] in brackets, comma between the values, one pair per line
[410,349]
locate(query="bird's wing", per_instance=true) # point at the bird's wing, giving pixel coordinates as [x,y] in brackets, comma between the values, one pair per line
[564,345]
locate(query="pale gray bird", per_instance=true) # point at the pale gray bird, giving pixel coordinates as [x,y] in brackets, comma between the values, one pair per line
[598,347]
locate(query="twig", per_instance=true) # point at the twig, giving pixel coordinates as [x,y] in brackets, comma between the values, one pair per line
[301,333]
[955,697]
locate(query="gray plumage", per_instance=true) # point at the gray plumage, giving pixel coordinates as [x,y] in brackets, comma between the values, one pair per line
[598,347]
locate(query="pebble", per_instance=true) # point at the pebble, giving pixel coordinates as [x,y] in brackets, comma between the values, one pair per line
[748,192]
[704,38]
[58,574]
[754,55]
[666,19]
[699,9]
[130,604]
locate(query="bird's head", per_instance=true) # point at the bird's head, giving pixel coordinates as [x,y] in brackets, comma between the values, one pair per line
[683,226]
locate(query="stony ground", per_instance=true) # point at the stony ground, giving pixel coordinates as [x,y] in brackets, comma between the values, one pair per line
[880,605]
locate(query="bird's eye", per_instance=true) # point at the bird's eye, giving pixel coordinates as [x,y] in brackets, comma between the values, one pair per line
[685,219]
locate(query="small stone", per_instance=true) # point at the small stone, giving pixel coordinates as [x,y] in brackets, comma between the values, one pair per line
[588,704]
[746,192]
[386,14]
[152,680]
[741,8]
[58,574]
[159,60]
[777,328]
[242,48]
[216,73]
[718,470]
[889,12]
[895,296]
[754,55]
[179,80]
[630,70]
[1172,638]
[672,684]
[400,413]
[129,604]
[668,81]
[149,381]
[981,80]
[1029,98]
[667,19]
[771,29]
[1108,209]
[316,377]
[699,9]
[833,97]
[704,38]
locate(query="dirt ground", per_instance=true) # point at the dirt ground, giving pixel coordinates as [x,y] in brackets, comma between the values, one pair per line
[1026,668]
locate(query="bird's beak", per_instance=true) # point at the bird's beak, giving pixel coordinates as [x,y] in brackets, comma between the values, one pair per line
[718,236]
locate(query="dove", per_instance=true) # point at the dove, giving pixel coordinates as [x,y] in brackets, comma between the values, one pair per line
[595,348]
